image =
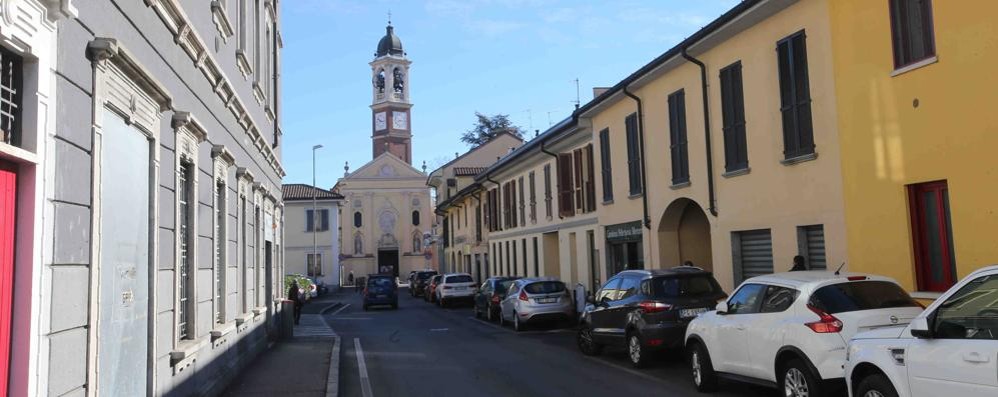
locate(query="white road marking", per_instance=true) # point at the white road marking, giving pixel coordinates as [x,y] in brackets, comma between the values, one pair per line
[340,309]
[365,381]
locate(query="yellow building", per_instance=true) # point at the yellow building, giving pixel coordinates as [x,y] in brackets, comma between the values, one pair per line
[917,128]
[757,185]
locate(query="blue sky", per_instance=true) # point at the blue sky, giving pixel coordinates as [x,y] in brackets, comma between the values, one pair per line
[516,57]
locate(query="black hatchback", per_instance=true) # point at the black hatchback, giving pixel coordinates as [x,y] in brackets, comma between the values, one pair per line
[488,296]
[418,281]
[646,310]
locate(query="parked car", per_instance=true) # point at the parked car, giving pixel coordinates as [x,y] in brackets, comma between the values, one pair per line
[790,330]
[418,281]
[455,287]
[429,292]
[489,295]
[381,290]
[646,311]
[951,349]
[532,300]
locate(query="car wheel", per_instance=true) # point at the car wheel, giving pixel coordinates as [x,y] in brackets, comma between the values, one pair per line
[797,380]
[588,345]
[704,377]
[517,325]
[876,385]
[636,351]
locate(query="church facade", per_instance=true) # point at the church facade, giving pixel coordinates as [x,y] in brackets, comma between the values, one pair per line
[387,216]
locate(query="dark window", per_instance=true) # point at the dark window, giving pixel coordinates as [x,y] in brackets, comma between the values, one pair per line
[509,270]
[537,263]
[932,235]
[777,299]
[514,258]
[358,220]
[533,197]
[678,147]
[523,209]
[609,290]
[605,165]
[566,197]
[633,154]
[547,190]
[478,223]
[628,287]
[10,97]
[795,96]
[746,300]
[523,245]
[459,279]
[578,175]
[911,31]
[184,193]
[590,179]
[316,225]
[689,286]
[221,217]
[960,317]
[314,262]
[733,118]
[861,295]
[545,287]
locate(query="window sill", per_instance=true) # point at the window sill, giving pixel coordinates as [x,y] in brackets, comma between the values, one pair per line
[16,154]
[800,159]
[186,354]
[731,174]
[257,311]
[926,295]
[635,196]
[680,185]
[917,65]
[608,202]
[222,330]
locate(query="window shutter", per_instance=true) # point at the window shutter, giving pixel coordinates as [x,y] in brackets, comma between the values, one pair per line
[633,154]
[309,221]
[579,182]
[677,138]
[325,219]
[605,166]
[733,118]
[795,97]
[566,206]
[590,180]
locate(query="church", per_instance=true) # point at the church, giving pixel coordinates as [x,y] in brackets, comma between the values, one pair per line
[387,210]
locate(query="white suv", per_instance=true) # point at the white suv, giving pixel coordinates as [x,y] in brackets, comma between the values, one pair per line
[454,287]
[949,350]
[790,330]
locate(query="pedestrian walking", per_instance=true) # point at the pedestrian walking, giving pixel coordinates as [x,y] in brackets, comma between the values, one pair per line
[295,294]
[798,264]
[350,278]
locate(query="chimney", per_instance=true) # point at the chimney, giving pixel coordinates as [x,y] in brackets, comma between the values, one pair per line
[597,91]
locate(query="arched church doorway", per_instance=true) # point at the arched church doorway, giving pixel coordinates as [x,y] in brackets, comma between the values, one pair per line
[684,235]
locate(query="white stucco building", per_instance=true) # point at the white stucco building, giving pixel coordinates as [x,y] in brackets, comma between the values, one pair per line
[311,234]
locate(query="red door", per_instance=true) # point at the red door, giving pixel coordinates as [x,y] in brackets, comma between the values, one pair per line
[935,261]
[8,195]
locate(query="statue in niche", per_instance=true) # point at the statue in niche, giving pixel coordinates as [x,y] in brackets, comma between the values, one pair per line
[358,244]
[379,81]
[417,242]
[399,83]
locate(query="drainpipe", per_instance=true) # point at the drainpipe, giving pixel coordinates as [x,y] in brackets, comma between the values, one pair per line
[555,155]
[706,131]
[641,148]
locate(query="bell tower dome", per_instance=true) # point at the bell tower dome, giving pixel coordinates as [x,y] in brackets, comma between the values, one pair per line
[390,105]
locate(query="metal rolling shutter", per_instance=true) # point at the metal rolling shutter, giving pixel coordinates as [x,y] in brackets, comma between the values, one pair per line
[753,254]
[814,240]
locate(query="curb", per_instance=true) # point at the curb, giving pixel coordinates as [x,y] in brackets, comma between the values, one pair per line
[333,377]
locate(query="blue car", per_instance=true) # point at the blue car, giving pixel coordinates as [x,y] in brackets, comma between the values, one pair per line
[382,290]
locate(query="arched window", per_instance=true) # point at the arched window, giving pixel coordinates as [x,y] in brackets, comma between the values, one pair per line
[417,242]
[358,244]
[415,218]
[358,219]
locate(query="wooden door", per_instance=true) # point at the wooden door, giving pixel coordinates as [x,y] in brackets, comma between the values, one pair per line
[8,215]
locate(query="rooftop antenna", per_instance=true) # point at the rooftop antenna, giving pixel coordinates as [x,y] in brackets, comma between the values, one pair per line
[530,118]
[577,97]
[839,269]
[389,16]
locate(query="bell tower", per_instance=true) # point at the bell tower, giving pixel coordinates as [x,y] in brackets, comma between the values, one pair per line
[390,106]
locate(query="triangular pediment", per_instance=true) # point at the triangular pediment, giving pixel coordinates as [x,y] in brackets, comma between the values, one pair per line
[385,166]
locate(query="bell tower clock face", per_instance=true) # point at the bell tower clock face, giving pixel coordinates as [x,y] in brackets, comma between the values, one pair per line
[400,120]
[380,121]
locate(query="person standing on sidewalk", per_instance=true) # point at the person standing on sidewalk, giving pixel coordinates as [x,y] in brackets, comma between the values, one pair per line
[294,293]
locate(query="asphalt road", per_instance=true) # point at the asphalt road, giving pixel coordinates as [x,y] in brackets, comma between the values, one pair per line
[423,350]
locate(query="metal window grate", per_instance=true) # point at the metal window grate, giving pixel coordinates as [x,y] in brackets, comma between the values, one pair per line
[183,195]
[220,237]
[10,97]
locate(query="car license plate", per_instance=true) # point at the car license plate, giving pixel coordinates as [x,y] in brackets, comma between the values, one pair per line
[687,313]
[382,296]
[547,300]
[461,288]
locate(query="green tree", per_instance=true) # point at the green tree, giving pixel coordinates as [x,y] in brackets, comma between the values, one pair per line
[486,128]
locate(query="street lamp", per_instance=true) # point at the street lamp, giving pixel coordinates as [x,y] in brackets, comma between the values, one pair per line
[315,215]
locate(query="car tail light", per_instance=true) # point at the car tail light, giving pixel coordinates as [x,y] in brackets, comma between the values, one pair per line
[447,287]
[523,296]
[654,307]
[495,299]
[827,324]
[856,278]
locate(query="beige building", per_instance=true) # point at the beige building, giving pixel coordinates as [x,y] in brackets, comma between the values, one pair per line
[462,242]
[539,208]
[746,192]
[311,233]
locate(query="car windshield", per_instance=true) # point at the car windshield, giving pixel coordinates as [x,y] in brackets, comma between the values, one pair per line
[863,295]
[686,286]
[545,287]
[381,282]
[503,285]
[425,275]
[460,279]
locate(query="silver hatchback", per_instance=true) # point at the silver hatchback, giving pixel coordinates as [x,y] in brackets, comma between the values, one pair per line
[532,300]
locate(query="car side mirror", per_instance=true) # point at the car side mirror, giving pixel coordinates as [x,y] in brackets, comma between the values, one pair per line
[920,328]
[722,308]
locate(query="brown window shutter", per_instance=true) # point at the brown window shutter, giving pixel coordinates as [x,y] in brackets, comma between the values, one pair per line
[577,168]
[590,180]
[566,189]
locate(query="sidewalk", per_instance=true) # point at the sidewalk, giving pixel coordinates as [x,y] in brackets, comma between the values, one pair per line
[299,366]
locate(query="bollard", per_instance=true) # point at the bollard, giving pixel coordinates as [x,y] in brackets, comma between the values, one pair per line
[287,319]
